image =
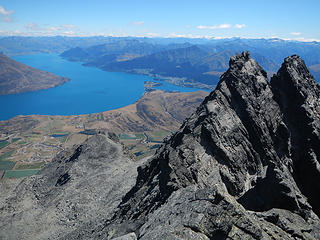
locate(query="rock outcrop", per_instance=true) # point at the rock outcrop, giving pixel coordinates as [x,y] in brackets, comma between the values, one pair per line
[80,187]
[245,165]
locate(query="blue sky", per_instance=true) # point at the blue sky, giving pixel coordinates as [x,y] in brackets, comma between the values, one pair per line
[287,19]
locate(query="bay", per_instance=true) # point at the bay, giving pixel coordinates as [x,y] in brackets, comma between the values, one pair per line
[90,89]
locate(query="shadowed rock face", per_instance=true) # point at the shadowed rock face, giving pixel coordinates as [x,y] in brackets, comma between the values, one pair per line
[245,165]
[298,96]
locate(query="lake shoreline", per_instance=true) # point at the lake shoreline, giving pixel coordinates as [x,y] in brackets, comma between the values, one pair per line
[90,89]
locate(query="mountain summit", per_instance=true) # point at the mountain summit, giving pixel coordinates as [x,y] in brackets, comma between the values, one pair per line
[245,165]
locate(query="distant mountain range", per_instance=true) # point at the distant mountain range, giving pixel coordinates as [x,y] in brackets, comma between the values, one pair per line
[13,46]
[16,45]
[190,64]
[182,61]
[16,77]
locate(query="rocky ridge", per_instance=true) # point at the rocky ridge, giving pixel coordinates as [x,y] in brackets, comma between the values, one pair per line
[245,165]
[80,186]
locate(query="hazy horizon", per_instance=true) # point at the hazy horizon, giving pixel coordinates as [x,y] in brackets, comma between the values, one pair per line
[288,20]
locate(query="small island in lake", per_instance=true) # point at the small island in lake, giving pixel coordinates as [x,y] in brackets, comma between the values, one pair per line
[149,85]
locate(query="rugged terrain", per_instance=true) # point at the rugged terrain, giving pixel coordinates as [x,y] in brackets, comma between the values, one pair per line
[16,77]
[245,165]
[68,193]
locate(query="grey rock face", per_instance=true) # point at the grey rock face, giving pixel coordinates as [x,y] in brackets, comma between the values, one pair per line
[130,236]
[244,166]
[78,189]
[298,96]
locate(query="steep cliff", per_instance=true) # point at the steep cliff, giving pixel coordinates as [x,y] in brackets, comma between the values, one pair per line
[244,166]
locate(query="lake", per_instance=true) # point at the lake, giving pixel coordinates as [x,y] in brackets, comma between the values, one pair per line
[90,90]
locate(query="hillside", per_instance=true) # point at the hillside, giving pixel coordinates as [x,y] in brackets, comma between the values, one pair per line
[187,64]
[244,165]
[116,50]
[177,63]
[18,45]
[16,77]
[315,70]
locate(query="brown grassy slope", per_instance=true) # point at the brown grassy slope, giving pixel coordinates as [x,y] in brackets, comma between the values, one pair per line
[155,110]
[155,114]
[16,77]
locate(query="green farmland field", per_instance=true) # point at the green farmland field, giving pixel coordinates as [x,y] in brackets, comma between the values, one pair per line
[20,173]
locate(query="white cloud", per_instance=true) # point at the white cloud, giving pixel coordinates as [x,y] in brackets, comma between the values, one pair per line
[33,27]
[138,23]
[301,39]
[63,27]
[53,29]
[68,26]
[219,38]
[68,33]
[5,12]
[150,34]
[221,26]
[6,15]
[296,33]
[239,26]
[175,35]
[58,29]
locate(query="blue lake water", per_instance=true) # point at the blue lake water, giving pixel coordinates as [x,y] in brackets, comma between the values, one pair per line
[90,90]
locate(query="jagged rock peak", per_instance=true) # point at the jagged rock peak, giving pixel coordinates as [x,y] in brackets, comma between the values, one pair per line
[297,69]
[298,96]
[238,155]
[294,76]
[242,57]
[243,64]
[295,63]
